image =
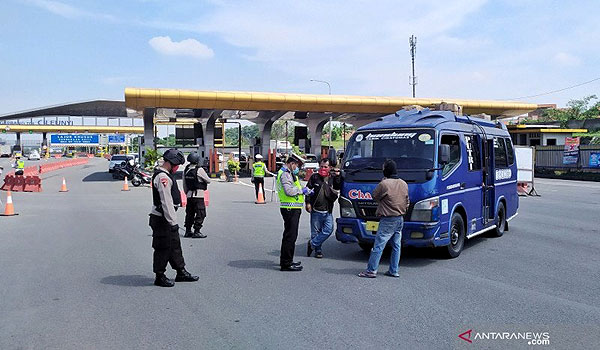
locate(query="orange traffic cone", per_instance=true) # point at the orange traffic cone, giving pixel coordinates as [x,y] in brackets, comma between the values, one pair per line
[125,185]
[9,209]
[63,188]
[261,197]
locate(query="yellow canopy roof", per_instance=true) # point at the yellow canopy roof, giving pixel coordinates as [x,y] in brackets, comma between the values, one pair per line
[139,99]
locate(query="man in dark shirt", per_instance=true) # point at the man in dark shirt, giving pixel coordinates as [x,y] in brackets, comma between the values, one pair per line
[325,184]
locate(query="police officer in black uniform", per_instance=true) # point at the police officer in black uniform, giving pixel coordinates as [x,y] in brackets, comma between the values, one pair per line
[195,182]
[163,221]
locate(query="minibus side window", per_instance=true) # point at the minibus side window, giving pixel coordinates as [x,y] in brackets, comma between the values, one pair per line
[510,152]
[454,143]
[473,155]
[499,153]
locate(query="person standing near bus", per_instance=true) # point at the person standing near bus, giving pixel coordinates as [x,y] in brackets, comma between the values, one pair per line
[391,195]
[291,197]
[166,198]
[325,183]
[259,170]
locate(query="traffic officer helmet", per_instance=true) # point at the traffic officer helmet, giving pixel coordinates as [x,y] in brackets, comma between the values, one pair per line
[258,156]
[174,157]
[193,158]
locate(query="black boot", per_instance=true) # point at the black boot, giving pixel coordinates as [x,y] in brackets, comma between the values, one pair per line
[198,234]
[184,276]
[188,232]
[162,281]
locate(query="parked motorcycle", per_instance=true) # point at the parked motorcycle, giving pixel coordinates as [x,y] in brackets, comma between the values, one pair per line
[123,170]
[140,177]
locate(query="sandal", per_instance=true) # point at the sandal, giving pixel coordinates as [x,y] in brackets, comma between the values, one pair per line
[367,274]
[387,273]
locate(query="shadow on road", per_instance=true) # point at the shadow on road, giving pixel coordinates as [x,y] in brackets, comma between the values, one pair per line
[99,176]
[128,280]
[254,264]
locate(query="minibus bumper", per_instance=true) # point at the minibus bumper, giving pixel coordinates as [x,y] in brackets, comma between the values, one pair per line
[414,234]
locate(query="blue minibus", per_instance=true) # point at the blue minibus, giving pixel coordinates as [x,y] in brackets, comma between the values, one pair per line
[461,174]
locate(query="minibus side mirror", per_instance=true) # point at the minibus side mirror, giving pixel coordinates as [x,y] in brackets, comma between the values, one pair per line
[444,153]
[332,156]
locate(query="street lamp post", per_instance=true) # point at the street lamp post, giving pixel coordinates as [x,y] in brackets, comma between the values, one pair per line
[330,118]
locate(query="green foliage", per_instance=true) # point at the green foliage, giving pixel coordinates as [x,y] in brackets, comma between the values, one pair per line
[576,110]
[278,130]
[168,141]
[233,166]
[151,157]
[249,132]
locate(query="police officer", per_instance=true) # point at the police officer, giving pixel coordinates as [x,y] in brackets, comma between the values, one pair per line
[163,221]
[291,198]
[259,169]
[20,166]
[195,182]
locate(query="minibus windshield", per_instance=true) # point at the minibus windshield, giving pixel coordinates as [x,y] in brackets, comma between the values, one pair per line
[411,149]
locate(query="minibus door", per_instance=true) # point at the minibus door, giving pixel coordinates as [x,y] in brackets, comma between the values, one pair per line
[488,181]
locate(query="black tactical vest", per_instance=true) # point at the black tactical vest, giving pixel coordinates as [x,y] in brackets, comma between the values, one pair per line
[190,176]
[175,194]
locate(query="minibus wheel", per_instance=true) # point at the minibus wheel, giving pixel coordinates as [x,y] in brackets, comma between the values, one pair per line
[500,221]
[457,236]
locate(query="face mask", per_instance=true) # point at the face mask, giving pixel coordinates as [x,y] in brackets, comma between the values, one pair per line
[296,171]
[174,169]
[324,172]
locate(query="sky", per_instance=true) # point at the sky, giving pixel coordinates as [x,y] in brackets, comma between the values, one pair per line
[54,52]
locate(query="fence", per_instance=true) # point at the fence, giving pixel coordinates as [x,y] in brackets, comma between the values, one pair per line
[551,157]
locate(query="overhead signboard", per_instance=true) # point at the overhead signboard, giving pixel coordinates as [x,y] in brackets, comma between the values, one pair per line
[117,138]
[74,139]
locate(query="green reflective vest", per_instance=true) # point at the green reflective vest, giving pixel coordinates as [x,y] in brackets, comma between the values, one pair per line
[259,169]
[285,201]
[20,164]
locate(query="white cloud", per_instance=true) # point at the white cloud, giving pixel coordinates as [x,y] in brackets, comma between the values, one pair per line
[566,59]
[187,47]
[68,11]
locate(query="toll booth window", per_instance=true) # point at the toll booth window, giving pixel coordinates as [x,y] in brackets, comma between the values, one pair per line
[500,160]
[473,152]
[454,143]
[510,152]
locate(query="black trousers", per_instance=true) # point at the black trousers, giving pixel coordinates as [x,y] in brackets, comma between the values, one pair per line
[166,244]
[195,212]
[291,220]
[259,181]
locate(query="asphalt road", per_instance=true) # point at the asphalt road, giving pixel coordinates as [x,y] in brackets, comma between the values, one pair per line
[77,274]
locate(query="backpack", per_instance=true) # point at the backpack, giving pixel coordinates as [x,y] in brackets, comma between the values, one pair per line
[191,179]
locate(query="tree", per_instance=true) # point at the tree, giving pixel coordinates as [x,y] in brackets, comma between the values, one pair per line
[576,110]
[278,130]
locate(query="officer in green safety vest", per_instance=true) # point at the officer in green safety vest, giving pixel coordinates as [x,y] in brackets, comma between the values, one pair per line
[20,165]
[259,170]
[291,198]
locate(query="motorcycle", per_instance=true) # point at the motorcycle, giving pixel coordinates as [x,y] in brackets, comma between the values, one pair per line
[140,177]
[123,170]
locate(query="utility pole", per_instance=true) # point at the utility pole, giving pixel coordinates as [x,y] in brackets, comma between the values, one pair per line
[413,48]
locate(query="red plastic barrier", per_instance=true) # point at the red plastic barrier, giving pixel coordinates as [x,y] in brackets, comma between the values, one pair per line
[32,184]
[206,198]
[63,164]
[19,183]
[183,199]
[9,181]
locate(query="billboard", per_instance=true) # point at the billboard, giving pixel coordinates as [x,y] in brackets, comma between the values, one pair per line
[74,139]
[571,152]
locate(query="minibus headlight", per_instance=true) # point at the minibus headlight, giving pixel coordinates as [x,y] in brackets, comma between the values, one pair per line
[346,208]
[426,210]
